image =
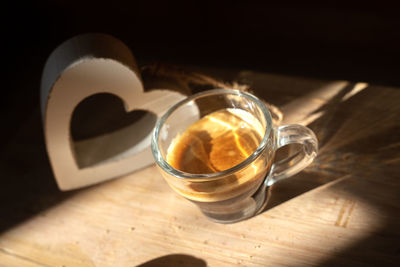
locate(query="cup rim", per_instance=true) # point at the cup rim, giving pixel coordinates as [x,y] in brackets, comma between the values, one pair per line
[164,165]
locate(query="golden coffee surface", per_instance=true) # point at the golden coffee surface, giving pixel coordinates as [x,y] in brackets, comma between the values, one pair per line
[216,142]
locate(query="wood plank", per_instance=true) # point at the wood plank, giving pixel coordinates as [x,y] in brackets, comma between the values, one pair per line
[342,210]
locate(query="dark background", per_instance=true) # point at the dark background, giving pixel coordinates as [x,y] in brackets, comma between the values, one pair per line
[337,42]
[358,43]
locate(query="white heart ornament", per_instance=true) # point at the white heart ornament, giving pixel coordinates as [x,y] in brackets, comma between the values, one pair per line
[81,67]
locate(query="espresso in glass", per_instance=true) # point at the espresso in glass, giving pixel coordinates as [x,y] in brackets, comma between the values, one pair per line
[216,148]
[215,143]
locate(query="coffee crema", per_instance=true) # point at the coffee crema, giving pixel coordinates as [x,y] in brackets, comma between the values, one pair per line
[216,142]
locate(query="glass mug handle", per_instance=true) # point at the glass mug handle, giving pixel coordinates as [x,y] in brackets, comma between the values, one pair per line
[292,134]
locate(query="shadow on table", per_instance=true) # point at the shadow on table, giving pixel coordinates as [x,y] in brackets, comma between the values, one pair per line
[359,138]
[379,248]
[317,174]
[175,260]
[27,185]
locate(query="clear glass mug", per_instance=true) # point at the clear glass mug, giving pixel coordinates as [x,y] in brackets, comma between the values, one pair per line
[242,191]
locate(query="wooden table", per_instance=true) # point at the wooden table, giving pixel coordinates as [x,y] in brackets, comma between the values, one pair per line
[343,210]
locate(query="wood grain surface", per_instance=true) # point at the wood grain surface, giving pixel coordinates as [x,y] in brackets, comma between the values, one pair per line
[343,210]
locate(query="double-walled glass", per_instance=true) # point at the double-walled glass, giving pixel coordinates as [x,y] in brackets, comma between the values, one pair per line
[241,191]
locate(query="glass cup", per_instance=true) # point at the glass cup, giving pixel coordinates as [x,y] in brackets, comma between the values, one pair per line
[241,191]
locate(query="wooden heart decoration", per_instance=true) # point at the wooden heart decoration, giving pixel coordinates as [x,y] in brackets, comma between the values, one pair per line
[82,67]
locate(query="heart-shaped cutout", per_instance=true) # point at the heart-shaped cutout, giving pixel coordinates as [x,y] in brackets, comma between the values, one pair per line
[102,131]
[81,67]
